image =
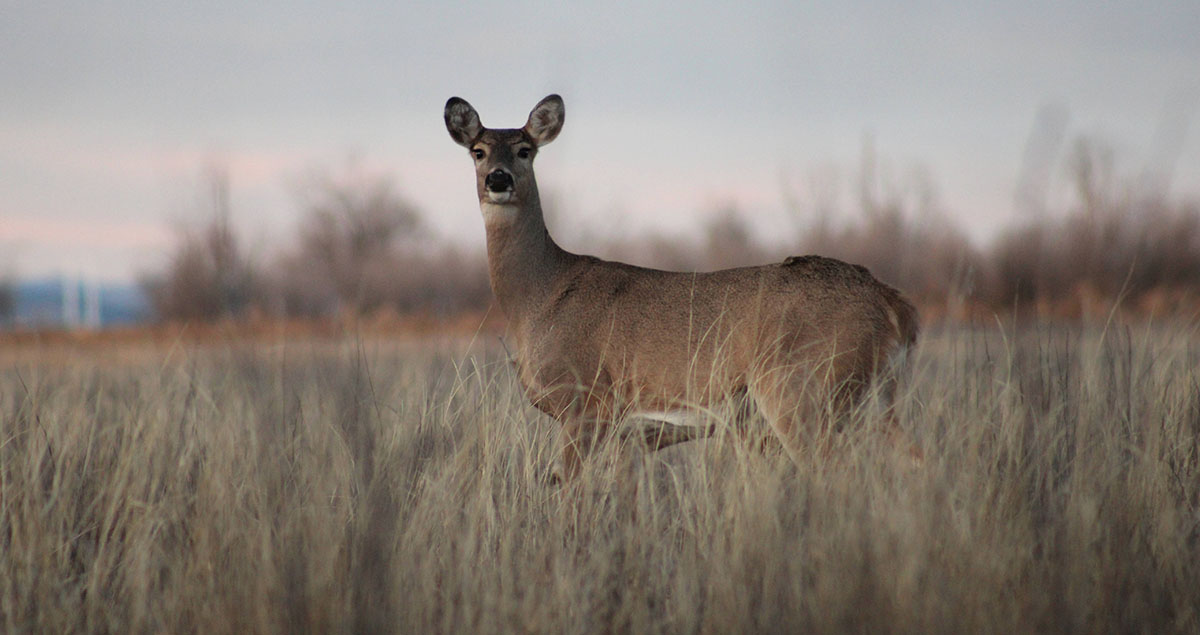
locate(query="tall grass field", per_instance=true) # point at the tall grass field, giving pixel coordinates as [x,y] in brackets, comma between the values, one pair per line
[373,485]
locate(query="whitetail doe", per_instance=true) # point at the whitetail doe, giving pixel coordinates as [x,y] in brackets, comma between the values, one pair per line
[599,342]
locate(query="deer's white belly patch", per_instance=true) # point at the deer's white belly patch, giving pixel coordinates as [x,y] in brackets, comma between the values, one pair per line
[673,417]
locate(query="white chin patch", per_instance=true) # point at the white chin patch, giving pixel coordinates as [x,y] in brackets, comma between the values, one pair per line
[497,212]
[499,198]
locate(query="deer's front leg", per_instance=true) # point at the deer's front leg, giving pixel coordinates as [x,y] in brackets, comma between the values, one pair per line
[585,410]
[580,439]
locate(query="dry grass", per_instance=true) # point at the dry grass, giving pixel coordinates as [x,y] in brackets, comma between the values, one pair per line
[352,486]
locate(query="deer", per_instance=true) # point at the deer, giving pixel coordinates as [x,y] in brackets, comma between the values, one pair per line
[598,342]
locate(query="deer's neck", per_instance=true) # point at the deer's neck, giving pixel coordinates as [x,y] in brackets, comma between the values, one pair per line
[523,260]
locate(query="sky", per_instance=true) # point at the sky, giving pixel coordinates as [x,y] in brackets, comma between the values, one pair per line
[112,113]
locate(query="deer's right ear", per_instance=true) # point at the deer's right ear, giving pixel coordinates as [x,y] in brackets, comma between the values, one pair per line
[462,121]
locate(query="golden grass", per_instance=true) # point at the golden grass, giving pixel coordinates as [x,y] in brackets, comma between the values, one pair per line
[346,485]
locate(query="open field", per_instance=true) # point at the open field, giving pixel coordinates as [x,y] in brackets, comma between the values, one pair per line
[377,485]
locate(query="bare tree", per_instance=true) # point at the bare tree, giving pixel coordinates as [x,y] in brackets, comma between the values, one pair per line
[893,225]
[357,235]
[209,276]
[728,242]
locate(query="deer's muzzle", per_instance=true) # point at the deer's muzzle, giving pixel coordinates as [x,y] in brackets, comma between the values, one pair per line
[498,181]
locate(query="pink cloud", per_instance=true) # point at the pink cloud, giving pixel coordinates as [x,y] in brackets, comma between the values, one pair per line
[32,231]
[61,150]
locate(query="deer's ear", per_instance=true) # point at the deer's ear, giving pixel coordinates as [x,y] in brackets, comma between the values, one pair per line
[546,120]
[462,121]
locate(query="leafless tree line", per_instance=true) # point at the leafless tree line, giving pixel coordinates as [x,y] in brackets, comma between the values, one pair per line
[362,249]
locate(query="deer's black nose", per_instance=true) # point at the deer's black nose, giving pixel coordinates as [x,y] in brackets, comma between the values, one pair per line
[498,181]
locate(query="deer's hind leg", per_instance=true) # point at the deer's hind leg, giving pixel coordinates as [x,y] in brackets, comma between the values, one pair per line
[806,404]
[903,442]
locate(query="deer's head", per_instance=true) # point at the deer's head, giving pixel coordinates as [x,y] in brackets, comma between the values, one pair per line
[504,156]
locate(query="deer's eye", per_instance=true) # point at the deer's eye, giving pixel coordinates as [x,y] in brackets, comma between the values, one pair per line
[477,152]
[523,153]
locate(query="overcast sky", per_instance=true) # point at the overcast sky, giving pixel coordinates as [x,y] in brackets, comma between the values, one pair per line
[110,112]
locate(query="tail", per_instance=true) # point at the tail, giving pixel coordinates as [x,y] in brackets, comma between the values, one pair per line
[906,328]
[904,318]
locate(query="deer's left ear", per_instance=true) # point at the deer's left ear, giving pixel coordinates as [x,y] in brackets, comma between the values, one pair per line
[546,120]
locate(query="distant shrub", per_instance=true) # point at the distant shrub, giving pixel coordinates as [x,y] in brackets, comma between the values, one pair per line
[1114,243]
[362,248]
